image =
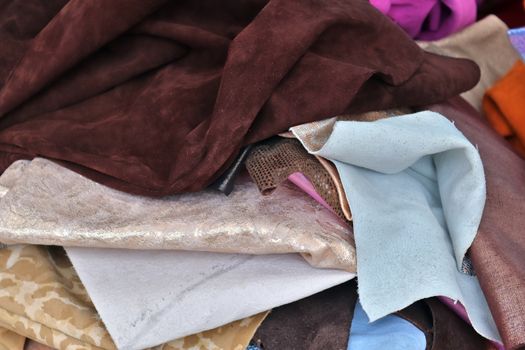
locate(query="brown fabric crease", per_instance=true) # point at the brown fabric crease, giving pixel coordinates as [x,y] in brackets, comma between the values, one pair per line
[157,97]
[498,252]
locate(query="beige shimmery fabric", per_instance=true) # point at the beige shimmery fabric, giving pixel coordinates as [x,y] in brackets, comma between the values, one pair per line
[52,205]
[42,298]
[314,135]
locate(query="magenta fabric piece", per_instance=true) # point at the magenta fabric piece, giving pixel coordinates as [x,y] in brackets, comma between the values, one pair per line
[301,181]
[429,19]
[459,309]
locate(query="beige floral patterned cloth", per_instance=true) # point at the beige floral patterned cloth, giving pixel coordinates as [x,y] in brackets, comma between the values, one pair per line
[42,298]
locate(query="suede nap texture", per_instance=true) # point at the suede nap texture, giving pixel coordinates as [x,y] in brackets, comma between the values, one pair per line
[498,252]
[324,320]
[408,192]
[157,97]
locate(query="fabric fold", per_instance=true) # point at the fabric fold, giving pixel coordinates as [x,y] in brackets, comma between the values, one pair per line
[408,192]
[498,250]
[208,78]
[43,299]
[429,19]
[51,205]
[188,292]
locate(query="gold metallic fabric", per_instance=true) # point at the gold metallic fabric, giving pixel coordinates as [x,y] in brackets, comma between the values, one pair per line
[45,203]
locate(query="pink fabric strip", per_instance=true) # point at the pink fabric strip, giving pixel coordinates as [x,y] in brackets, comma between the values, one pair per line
[304,184]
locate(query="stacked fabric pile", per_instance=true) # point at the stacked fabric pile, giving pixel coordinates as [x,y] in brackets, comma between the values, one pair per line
[261,175]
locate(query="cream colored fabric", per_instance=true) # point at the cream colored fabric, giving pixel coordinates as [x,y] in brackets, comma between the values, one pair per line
[486,43]
[42,298]
[51,205]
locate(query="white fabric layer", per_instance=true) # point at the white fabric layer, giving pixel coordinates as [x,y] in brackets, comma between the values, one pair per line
[416,189]
[148,297]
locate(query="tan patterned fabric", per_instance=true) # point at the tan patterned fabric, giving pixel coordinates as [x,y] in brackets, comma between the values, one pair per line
[42,298]
[10,340]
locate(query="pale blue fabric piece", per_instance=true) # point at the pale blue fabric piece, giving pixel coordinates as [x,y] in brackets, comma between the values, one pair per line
[416,189]
[390,332]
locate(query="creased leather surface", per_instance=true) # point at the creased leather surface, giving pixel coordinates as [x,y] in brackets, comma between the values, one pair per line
[498,252]
[49,204]
[321,321]
[156,97]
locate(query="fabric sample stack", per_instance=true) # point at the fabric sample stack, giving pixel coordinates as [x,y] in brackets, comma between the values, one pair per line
[261,174]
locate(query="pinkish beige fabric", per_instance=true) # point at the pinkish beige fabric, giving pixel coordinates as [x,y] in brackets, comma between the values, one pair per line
[45,203]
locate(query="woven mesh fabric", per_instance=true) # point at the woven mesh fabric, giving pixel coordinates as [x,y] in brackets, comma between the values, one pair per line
[270,163]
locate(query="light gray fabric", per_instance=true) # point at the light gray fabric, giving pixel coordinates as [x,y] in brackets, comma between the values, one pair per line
[148,297]
[416,189]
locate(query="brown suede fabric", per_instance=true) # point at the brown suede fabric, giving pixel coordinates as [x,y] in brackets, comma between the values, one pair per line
[443,329]
[498,252]
[157,97]
[451,332]
[321,321]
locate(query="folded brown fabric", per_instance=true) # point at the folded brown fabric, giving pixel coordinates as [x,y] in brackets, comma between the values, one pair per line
[321,321]
[157,97]
[498,252]
[451,332]
[443,329]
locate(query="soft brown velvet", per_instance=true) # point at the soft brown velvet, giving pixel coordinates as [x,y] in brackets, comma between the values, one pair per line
[157,97]
[498,252]
[443,329]
[321,321]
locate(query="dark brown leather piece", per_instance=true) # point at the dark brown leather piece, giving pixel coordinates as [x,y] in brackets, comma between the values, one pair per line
[321,321]
[157,97]
[226,182]
[451,332]
[498,252]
